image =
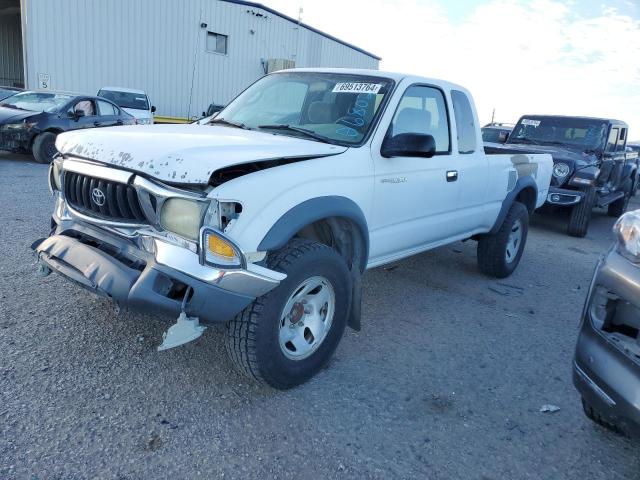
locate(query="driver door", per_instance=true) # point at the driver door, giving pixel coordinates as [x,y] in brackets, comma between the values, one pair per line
[90,117]
[415,198]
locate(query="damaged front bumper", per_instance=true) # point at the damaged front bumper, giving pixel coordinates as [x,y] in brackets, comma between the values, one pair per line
[149,273]
[18,141]
[606,368]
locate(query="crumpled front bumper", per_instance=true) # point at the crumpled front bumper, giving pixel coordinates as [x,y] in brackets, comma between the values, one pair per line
[154,282]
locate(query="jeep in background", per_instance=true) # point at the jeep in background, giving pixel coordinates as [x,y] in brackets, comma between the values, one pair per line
[591,165]
[266,217]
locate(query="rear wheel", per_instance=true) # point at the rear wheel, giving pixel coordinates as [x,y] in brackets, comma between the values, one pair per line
[500,253]
[618,207]
[286,336]
[581,214]
[44,147]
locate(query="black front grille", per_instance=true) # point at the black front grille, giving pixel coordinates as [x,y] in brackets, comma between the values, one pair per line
[103,198]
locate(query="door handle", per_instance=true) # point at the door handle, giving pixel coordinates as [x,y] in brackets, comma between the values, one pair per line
[452,175]
[96,124]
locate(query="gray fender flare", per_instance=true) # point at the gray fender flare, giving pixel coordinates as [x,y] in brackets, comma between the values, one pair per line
[521,184]
[311,211]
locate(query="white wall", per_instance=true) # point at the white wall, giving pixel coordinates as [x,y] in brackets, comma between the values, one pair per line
[158,45]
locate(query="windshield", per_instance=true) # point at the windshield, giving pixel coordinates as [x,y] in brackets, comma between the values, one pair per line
[571,132]
[5,92]
[329,107]
[137,101]
[37,101]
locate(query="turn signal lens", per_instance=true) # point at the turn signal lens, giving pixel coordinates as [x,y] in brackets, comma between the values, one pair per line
[218,246]
[218,251]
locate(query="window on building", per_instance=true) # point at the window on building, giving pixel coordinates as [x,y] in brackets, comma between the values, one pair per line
[422,110]
[465,124]
[217,43]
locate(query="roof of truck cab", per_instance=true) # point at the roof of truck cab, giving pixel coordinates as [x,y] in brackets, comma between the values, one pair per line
[395,76]
[599,119]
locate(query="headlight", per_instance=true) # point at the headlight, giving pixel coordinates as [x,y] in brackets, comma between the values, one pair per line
[217,250]
[561,170]
[627,229]
[183,217]
[144,121]
[12,127]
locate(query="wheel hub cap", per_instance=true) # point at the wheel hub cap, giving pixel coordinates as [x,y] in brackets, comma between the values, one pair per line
[306,318]
[514,242]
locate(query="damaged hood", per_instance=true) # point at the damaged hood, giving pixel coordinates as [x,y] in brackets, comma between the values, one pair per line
[557,152]
[185,153]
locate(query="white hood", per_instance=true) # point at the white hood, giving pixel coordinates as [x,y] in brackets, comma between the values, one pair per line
[185,153]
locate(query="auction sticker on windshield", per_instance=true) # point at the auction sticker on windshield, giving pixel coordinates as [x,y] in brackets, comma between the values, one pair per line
[357,87]
[526,121]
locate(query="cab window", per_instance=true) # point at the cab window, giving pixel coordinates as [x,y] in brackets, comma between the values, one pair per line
[612,140]
[423,110]
[465,124]
[87,106]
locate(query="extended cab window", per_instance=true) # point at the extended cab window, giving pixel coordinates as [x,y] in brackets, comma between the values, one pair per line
[465,124]
[423,110]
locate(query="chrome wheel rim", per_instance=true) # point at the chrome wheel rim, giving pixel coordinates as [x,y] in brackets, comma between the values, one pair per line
[306,318]
[514,242]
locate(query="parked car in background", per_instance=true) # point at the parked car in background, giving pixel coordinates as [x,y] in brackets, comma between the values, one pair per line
[6,92]
[591,167]
[266,218]
[496,132]
[31,121]
[606,368]
[633,152]
[209,115]
[134,102]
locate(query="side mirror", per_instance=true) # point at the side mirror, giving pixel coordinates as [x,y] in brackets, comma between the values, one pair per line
[153,109]
[78,113]
[502,138]
[409,145]
[204,114]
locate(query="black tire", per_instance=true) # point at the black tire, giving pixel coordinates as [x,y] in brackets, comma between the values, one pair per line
[44,147]
[593,415]
[634,186]
[492,249]
[581,214]
[252,339]
[618,207]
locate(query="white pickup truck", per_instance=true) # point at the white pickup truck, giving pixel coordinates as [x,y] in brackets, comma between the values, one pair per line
[267,217]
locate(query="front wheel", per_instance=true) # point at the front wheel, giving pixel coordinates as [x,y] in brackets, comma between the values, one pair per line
[44,147]
[581,214]
[500,253]
[286,336]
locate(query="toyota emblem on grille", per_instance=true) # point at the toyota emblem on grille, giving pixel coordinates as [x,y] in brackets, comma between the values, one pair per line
[97,196]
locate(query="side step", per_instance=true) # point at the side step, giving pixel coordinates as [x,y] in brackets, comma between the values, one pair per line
[607,199]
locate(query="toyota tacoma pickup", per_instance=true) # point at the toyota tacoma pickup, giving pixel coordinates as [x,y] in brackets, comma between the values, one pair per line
[266,217]
[591,169]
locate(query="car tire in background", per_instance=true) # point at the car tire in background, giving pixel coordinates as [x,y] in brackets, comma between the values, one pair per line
[286,336]
[44,147]
[500,253]
[593,415]
[581,214]
[618,207]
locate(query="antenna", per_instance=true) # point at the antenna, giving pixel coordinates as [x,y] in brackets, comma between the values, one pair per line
[493,115]
[300,12]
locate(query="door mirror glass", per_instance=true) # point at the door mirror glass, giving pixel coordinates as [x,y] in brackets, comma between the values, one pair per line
[409,145]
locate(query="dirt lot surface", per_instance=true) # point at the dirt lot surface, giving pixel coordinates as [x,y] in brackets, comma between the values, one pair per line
[445,381]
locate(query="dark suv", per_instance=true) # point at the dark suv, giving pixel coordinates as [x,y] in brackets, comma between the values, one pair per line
[606,368]
[591,167]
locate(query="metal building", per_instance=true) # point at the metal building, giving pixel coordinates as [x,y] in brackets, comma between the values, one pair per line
[186,54]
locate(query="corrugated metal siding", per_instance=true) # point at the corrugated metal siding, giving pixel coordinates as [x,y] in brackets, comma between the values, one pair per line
[11,67]
[158,46]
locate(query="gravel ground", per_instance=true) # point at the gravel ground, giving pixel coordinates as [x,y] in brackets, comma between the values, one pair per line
[445,380]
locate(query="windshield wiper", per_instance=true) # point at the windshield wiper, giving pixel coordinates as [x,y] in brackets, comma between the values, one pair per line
[222,121]
[304,131]
[8,105]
